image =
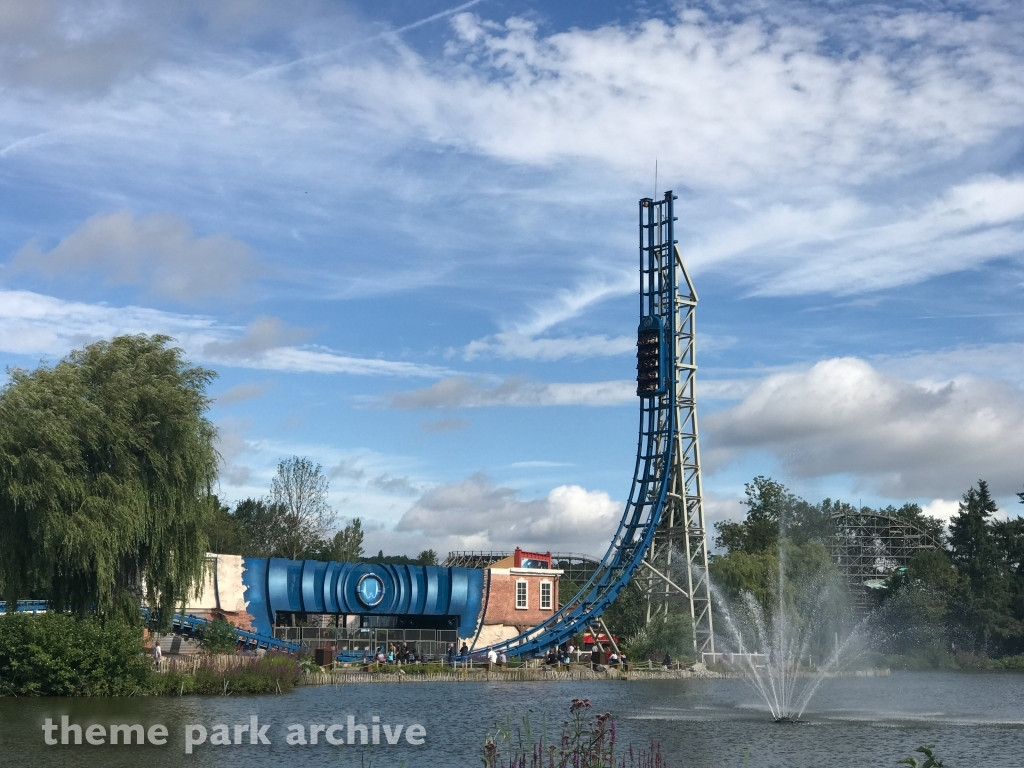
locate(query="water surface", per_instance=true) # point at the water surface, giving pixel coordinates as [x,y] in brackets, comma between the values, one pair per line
[974,719]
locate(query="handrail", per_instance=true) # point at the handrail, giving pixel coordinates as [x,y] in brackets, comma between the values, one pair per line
[189,624]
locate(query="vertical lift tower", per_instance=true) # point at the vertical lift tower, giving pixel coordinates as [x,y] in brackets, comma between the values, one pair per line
[677,561]
[660,540]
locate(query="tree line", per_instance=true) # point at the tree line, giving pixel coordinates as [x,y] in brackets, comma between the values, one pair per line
[965,594]
[295,520]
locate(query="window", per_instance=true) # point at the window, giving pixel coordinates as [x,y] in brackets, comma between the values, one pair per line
[545,595]
[521,595]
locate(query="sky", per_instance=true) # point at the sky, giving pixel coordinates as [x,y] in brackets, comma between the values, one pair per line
[404,235]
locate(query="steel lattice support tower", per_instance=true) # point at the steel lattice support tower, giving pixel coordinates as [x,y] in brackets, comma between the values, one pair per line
[677,562]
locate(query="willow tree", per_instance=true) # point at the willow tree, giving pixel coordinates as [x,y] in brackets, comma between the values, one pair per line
[106,467]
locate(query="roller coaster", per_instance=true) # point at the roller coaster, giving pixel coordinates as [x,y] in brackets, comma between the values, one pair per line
[664,516]
[660,541]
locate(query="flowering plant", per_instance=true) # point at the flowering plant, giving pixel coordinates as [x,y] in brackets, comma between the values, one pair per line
[587,741]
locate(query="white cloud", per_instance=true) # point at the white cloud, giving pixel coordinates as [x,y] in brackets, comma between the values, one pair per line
[512,345]
[720,102]
[462,392]
[321,360]
[941,509]
[263,334]
[477,514]
[232,446]
[900,438]
[520,340]
[811,146]
[241,393]
[158,249]
[35,324]
[393,485]
[347,469]
[848,246]
[993,361]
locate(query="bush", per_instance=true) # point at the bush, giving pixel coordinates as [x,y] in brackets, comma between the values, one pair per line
[673,636]
[56,654]
[217,636]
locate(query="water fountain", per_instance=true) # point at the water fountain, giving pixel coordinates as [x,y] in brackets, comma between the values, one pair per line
[768,647]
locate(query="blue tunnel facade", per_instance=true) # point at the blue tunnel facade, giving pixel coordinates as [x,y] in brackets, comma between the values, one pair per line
[364,589]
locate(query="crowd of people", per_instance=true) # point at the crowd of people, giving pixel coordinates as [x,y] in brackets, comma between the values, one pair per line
[396,654]
[564,654]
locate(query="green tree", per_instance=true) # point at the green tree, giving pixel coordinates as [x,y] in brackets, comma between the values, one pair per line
[738,572]
[261,528]
[628,614]
[671,634]
[217,636]
[769,506]
[970,537]
[348,542]
[760,530]
[223,533]
[299,489]
[975,553]
[567,590]
[427,557]
[106,468]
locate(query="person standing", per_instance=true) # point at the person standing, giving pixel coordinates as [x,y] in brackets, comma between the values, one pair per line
[158,653]
[450,653]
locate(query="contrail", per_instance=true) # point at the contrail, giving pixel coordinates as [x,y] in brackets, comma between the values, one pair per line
[386,33]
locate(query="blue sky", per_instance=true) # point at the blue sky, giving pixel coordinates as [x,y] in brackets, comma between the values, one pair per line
[404,235]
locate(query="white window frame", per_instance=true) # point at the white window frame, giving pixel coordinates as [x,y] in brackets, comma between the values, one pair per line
[551,595]
[522,605]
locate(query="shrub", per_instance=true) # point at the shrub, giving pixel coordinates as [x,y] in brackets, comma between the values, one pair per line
[57,654]
[217,636]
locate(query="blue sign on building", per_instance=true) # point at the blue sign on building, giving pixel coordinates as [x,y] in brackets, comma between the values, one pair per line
[370,590]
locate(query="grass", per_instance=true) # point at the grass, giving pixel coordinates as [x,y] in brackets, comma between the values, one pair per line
[272,673]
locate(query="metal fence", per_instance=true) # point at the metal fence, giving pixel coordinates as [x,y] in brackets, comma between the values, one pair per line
[431,642]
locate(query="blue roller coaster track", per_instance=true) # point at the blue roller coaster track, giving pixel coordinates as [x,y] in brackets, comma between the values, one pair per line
[654,487]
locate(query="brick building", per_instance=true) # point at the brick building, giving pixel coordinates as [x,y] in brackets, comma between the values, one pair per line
[522,591]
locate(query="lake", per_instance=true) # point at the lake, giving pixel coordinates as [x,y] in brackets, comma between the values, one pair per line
[973,719]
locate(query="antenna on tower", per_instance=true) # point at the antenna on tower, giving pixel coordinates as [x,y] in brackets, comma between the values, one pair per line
[655,179]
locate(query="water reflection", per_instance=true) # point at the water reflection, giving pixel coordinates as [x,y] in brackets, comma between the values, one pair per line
[702,724]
